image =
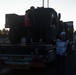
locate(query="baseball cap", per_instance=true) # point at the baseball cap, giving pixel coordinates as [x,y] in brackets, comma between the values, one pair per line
[63,33]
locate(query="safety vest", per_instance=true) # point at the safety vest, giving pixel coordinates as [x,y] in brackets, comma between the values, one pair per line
[61,47]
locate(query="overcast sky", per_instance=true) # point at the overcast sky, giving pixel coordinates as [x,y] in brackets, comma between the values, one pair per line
[65,7]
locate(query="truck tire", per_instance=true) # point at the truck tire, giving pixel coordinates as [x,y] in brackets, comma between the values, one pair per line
[13,37]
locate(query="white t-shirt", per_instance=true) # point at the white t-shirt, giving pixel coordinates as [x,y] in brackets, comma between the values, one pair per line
[61,47]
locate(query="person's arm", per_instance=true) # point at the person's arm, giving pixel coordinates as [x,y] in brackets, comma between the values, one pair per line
[69,48]
[53,42]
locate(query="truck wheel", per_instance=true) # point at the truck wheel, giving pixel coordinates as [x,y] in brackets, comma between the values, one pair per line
[13,37]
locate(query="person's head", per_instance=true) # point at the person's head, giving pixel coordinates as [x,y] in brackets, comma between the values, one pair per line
[63,35]
[32,8]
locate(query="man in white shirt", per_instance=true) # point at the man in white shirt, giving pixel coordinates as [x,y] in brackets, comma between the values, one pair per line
[62,47]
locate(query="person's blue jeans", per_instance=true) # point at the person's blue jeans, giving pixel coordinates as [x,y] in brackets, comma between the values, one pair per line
[61,65]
